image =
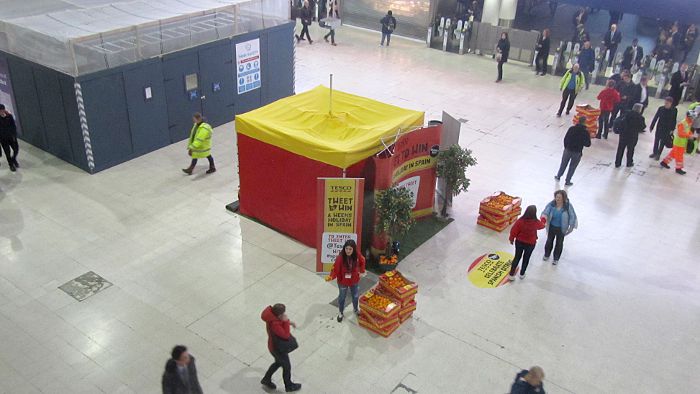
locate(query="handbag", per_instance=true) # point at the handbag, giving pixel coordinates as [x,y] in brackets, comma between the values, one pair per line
[668,141]
[284,346]
[499,56]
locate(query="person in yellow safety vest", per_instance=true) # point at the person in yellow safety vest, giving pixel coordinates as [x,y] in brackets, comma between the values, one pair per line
[199,144]
[696,123]
[571,84]
[684,131]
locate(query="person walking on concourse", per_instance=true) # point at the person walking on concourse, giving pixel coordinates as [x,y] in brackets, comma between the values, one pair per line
[388,27]
[634,125]
[571,84]
[529,382]
[199,146]
[8,138]
[502,52]
[561,220]
[349,266]
[279,335]
[576,139]
[609,98]
[665,122]
[180,375]
[524,235]
[684,132]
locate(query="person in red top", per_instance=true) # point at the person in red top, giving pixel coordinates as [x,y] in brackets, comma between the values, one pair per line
[348,267]
[278,324]
[609,98]
[524,234]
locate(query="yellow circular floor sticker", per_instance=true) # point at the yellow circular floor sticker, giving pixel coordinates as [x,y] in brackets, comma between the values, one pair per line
[490,270]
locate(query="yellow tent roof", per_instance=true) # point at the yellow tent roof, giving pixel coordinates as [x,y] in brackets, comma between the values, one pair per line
[302,124]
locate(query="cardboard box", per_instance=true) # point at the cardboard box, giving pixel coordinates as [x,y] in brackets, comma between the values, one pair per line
[401,293]
[497,227]
[378,322]
[385,332]
[391,309]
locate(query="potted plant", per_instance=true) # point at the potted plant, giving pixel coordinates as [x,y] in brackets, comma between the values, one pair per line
[393,207]
[452,165]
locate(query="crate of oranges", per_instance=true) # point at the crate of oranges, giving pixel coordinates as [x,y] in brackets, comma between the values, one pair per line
[379,305]
[379,322]
[499,204]
[385,331]
[406,311]
[398,286]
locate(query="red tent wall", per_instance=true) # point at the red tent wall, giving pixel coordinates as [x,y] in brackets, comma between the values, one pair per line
[278,187]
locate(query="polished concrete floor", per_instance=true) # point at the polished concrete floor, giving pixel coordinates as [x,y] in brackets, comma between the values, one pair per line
[619,314]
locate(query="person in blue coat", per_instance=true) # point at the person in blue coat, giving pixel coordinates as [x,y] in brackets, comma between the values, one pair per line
[586,61]
[561,221]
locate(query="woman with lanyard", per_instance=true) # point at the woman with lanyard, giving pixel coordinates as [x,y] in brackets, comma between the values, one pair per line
[348,267]
[561,221]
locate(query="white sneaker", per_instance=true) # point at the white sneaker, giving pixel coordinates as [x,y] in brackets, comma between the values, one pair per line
[511,277]
[545,258]
[522,277]
[555,262]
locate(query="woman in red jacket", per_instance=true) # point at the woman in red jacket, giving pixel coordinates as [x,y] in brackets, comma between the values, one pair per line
[524,233]
[278,324]
[348,267]
[609,98]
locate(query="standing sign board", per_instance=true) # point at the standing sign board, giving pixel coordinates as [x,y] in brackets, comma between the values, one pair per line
[248,65]
[339,211]
[7,97]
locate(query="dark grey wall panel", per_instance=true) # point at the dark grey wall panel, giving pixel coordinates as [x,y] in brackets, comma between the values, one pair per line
[216,68]
[70,110]
[58,140]
[27,100]
[148,119]
[180,105]
[108,119]
[278,59]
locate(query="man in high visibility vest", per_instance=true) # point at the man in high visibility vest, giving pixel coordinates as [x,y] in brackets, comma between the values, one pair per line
[199,144]
[684,131]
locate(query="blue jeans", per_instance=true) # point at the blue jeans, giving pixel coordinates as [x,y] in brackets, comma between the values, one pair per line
[354,291]
[386,36]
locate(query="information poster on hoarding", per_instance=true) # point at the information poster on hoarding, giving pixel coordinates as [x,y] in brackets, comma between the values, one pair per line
[339,211]
[248,65]
[7,97]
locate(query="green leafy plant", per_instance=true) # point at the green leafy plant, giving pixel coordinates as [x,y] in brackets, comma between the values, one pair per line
[393,207]
[452,165]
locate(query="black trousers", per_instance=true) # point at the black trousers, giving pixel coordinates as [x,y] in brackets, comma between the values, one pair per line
[210,158]
[541,63]
[625,144]
[570,95]
[330,34]
[7,145]
[500,71]
[304,30]
[521,250]
[555,238]
[613,50]
[660,137]
[281,360]
[603,124]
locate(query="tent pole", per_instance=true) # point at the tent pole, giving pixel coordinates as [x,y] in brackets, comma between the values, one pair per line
[344,173]
[330,98]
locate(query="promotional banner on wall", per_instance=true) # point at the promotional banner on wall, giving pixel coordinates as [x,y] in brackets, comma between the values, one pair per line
[248,65]
[7,97]
[413,166]
[339,211]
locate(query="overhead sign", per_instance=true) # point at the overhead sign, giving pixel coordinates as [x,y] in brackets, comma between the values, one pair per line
[339,210]
[248,65]
[490,270]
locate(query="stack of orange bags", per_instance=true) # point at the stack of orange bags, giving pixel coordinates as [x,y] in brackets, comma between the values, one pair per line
[591,115]
[499,211]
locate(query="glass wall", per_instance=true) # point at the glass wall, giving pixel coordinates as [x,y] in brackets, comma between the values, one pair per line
[412,16]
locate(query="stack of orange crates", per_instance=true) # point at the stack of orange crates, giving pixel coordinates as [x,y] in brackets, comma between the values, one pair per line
[387,305]
[499,211]
[591,115]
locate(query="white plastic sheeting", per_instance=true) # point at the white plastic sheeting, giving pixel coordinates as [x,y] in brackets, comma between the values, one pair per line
[83,36]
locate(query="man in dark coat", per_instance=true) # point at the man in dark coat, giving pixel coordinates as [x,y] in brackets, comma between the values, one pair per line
[180,376]
[307,18]
[633,56]
[634,125]
[665,122]
[679,80]
[8,137]
[528,382]
[576,139]
[622,86]
[388,27]
[611,40]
